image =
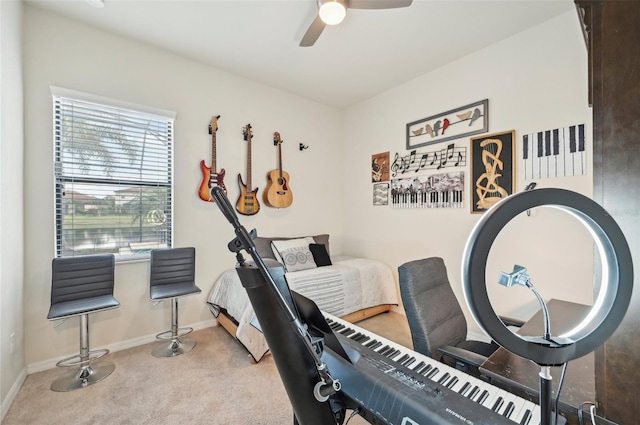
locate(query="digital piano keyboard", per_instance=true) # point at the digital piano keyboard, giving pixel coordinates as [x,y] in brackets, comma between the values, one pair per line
[397,386]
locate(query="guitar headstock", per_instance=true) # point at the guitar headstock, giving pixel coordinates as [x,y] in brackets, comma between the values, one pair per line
[213,125]
[246,132]
[276,139]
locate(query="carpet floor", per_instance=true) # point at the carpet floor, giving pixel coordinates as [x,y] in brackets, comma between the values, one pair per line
[215,383]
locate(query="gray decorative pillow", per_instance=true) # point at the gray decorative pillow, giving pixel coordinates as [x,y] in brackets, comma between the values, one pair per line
[263,243]
[294,254]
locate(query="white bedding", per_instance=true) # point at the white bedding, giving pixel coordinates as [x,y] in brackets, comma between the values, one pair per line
[348,285]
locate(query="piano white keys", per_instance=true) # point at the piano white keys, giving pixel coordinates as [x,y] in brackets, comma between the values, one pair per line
[555,153]
[513,407]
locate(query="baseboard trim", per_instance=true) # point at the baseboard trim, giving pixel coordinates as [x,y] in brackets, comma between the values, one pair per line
[118,346]
[13,392]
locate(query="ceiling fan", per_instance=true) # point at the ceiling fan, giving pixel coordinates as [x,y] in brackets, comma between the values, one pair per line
[332,12]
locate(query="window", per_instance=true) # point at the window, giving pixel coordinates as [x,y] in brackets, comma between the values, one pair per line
[113,176]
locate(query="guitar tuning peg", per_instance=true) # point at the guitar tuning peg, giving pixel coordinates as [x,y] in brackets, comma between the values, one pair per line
[303,146]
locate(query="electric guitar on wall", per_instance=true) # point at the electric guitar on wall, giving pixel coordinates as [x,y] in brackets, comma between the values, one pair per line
[278,193]
[211,178]
[247,201]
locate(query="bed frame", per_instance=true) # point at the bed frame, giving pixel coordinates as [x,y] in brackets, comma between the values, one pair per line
[231,325]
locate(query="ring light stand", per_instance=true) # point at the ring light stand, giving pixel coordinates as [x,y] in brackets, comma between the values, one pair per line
[610,303]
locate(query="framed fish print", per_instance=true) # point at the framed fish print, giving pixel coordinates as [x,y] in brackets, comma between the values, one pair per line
[493,176]
[460,122]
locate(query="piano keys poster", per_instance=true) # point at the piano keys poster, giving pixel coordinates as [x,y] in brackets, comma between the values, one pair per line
[554,153]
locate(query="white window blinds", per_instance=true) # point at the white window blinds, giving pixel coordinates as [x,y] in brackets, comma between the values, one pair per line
[113,176]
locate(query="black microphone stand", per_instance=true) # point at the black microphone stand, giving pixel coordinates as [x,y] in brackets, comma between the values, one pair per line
[327,386]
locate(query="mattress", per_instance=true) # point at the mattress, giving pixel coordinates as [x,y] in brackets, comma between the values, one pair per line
[348,285]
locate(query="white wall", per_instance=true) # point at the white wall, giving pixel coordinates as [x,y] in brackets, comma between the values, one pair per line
[536,80]
[63,53]
[12,365]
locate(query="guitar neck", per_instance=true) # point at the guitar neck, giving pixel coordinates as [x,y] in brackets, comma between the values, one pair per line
[280,160]
[249,164]
[213,152]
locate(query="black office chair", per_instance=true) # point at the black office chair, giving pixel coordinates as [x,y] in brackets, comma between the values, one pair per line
[437,323]
[80,286]
[173,276]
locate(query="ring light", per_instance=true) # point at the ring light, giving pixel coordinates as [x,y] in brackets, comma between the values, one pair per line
[611,301]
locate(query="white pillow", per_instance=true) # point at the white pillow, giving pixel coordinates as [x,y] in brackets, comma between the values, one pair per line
[294,254]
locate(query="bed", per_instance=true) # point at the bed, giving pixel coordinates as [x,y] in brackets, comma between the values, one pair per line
[349,287]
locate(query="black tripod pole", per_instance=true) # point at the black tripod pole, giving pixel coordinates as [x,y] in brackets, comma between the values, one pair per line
[546,388]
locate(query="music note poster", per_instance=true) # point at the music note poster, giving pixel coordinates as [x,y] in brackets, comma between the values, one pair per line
[445,190]
[493,176]
[415,162]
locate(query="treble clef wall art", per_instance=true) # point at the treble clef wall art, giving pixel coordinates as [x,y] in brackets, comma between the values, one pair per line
[492,169]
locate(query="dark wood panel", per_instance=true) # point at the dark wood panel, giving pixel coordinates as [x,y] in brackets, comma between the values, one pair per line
[614,58]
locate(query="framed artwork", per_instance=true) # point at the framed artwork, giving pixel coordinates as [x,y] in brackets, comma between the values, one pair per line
[380,167]
[381,194]
[460,122]
[493,175]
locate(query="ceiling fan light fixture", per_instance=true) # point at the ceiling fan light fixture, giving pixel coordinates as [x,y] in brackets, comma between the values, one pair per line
[332,12]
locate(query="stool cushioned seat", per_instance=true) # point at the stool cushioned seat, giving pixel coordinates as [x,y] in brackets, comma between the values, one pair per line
[75,307]
[171,290]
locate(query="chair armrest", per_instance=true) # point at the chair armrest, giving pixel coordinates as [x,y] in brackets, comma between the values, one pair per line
[463,356]
[510,321]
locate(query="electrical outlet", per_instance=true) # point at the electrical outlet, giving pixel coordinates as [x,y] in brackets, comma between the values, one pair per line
[12,342]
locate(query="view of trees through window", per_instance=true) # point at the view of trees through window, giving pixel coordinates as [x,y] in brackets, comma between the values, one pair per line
[113,179]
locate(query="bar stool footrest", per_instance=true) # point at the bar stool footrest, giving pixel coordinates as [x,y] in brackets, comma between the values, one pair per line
[173,347]
[168,335]
[93,355]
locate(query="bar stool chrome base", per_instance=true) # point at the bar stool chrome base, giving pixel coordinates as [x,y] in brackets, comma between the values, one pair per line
[86,373]
[83,376]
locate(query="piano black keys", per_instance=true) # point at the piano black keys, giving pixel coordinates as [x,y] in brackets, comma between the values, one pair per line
[555,153]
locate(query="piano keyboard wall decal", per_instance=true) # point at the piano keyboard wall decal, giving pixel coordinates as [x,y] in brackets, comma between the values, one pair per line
[555,153]
[433,191]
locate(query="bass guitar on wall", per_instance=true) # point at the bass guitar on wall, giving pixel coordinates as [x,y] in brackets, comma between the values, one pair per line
[211,178]
[278,193]
[248,200]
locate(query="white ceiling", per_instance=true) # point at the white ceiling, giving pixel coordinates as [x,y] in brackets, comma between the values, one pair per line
[370,52]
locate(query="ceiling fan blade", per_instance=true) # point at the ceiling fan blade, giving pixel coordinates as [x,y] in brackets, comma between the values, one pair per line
[312,34]
[378,4]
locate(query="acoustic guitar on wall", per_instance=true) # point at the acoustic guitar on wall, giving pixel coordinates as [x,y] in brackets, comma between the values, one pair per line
[211,178]
[278,193]
[248,200]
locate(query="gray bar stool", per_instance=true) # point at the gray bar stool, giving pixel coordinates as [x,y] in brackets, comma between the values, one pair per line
[80,286]
[172,276]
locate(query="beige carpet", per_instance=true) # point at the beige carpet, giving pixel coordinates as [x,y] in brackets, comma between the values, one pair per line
[213,384]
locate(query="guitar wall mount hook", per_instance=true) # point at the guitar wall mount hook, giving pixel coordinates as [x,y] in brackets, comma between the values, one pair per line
[303,146]
[530,186]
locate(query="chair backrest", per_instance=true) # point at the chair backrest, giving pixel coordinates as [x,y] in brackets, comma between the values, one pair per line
[172,265]
[76,278]
[433,312]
